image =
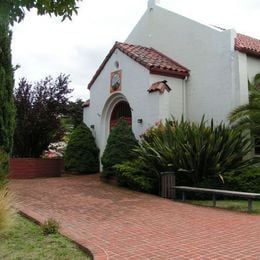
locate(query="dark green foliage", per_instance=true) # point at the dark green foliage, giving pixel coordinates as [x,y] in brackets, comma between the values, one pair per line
[82,154]
[3,167]
[7,109]
[74,113]
[15,9]
[120,144]
[135,175]
[38,119]
[247,180]
[197,152]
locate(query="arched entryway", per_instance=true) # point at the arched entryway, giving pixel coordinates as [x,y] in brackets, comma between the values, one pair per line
[121,110]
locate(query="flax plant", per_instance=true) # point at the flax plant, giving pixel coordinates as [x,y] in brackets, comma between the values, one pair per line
[202,150]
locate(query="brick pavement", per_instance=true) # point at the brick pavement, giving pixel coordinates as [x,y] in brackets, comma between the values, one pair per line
[116,223]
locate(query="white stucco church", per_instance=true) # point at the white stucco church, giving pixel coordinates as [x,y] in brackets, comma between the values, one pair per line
[170,65]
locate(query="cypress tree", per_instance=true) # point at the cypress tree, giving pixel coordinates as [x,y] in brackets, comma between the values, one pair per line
[7,108]
[82,154]
[119,148]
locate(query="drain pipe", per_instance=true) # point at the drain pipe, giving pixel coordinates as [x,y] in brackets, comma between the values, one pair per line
[184,98]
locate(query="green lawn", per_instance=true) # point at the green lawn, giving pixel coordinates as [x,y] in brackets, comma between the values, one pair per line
[26,241]
[237,205]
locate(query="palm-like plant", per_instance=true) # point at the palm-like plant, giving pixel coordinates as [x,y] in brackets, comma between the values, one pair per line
[247,116]
[203,151]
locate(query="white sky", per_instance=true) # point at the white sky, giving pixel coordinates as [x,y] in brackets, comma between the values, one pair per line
[44,46]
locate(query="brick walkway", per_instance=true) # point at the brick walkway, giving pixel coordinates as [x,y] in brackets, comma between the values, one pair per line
[116,223]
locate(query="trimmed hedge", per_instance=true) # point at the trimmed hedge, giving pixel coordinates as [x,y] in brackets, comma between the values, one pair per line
[119,148]
[247,180]
[135,175]
[82,154]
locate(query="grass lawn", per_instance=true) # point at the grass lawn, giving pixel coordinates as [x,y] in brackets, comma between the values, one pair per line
[26,241]
[238,205]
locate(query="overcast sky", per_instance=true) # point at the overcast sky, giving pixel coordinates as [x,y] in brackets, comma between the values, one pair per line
[44,46]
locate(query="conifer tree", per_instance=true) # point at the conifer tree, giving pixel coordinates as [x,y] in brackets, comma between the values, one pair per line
[7,109]
[82,154]
[119,148]
[6,90]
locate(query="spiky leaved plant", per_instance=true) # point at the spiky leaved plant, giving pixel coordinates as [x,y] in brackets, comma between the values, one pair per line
[7,211]
[201,151]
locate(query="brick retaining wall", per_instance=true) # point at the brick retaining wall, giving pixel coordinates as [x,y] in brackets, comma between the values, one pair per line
[28,168]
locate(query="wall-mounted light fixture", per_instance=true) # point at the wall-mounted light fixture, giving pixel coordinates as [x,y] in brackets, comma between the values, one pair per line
[140,121]
[117,64]
[92,127]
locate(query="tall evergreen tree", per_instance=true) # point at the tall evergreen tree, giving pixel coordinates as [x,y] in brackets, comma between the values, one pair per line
[7,109]
[119,148]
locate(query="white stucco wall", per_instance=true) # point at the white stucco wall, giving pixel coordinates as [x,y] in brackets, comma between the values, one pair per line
[246,68]
[253,67]
[170,103]
[136,79]
[241,79]
[207,52]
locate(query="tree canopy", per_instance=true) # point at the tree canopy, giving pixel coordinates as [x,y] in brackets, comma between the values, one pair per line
[74,113]
[15,10]
[38,117]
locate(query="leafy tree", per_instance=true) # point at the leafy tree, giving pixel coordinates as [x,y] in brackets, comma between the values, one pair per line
[74,113]
[82,154]
[14,11]
[120,144]
[39,109]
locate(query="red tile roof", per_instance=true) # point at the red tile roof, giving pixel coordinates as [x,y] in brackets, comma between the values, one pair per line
[160,86]
[248,45]
[153,60]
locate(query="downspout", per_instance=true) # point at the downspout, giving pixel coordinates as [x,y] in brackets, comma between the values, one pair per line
[184,98]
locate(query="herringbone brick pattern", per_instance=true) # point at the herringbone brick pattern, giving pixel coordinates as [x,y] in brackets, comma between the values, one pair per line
[116,223]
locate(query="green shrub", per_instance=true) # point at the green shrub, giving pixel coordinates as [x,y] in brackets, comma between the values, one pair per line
[247,180]
[7,211]
[50,226]
[120,144]
[82,154]
[135,175]
[198,153]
